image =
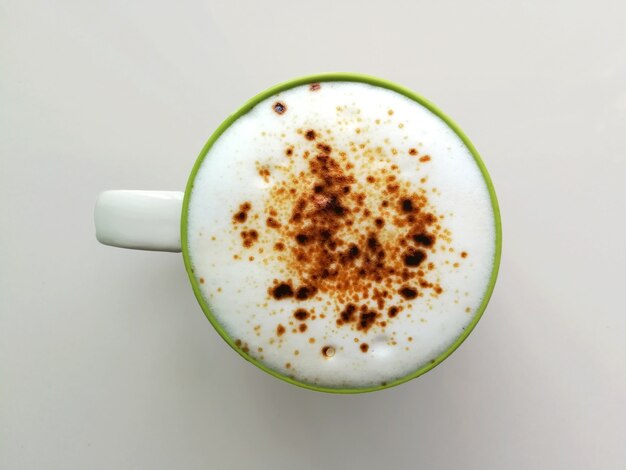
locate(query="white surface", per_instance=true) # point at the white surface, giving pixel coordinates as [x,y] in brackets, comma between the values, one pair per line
[106,361]
[143,220]
[237,289]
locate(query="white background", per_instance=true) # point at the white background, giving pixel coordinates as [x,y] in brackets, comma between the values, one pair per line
[106,360]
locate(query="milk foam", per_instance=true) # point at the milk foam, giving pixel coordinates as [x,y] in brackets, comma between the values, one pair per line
[234,279]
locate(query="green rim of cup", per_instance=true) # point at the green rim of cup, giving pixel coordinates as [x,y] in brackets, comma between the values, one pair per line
[341,77]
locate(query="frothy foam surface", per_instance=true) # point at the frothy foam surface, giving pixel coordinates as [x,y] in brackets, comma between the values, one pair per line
[342,234]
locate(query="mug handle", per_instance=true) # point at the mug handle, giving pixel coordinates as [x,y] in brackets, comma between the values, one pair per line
[140,220]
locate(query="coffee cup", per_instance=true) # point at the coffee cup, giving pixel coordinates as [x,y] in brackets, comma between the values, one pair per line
[339,232]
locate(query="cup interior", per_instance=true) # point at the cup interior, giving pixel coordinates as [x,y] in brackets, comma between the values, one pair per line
[343,77]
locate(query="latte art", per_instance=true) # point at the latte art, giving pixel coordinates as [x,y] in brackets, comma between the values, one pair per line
[342,234]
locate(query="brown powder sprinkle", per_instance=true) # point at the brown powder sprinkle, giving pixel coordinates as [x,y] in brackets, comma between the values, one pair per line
[348,314]
[272,222]
[408,293]
[364,347]
[282,291]
[279,107]
[324,148]
[264,172]
[249,237]
[424,239]
[367,320]
[280,330]
[413,258]
[301,314]
[242,214]
[305,292]
[407,205]
[364,243]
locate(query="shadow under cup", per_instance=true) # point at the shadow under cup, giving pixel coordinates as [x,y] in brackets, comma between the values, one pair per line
[196,282]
